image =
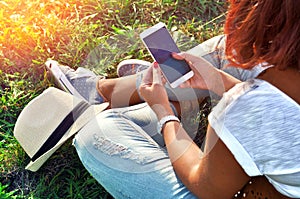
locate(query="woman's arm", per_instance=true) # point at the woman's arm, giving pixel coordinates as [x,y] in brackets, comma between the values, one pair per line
[212,174]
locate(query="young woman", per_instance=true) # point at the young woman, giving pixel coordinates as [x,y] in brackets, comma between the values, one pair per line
[253,131]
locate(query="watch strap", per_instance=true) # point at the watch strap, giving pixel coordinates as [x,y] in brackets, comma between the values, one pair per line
[166,119]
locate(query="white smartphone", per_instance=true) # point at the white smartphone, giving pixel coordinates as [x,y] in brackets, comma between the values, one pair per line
[160,44]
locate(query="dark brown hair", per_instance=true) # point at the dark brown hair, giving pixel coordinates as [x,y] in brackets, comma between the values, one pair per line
[263,31]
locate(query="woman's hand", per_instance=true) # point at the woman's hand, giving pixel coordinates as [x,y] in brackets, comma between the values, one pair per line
[202,69]
[206,76]
[154,93]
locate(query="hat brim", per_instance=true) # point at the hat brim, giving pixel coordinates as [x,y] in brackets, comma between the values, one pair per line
[79,123]
[35,165]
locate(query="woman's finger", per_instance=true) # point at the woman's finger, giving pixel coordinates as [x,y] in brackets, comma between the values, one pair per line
[184,56]
[163,79]
[185,84]
[191,59]
[178,56]
[148,76]
[156,74]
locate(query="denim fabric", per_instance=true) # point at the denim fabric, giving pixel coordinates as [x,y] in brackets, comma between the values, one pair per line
[117,148]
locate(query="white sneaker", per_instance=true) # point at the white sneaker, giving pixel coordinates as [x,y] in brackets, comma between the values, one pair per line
[80,83]
[131,67]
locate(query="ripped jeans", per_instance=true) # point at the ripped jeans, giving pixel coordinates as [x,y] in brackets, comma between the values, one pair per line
[118,150]
[123,151]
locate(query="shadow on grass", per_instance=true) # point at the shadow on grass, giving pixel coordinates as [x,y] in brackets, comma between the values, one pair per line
[62,176]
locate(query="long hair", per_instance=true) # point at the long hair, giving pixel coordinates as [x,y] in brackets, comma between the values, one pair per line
[263,31]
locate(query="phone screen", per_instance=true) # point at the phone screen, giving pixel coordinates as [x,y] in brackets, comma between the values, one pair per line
[161,45]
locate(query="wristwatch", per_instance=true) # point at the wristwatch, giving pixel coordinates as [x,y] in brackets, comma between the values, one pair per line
[164,120]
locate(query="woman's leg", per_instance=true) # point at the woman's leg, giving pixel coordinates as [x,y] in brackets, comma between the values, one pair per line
[122,92]
[118,150]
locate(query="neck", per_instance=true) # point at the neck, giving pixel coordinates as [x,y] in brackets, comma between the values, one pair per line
[288,81]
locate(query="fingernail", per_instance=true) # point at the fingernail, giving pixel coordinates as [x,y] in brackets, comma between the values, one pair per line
[174,53]
[155,65]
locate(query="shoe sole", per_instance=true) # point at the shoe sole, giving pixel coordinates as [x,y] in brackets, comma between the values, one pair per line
[60,79]
[130,67]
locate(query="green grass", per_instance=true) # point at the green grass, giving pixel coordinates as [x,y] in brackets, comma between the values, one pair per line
[89,33]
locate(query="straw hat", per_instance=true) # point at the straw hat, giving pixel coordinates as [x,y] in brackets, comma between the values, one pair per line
[49,120]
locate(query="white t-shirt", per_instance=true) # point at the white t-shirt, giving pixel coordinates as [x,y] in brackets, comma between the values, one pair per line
[260,125]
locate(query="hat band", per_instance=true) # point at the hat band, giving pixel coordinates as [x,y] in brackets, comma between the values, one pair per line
[61,129]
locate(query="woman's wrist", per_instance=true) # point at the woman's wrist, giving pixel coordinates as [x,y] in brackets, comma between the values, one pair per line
[220,82]
[228,81]
[162,110]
